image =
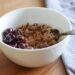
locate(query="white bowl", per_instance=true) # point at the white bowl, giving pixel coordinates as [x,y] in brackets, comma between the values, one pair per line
[35,57]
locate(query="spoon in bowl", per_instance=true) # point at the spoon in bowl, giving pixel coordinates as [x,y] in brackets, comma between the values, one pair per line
[57,33]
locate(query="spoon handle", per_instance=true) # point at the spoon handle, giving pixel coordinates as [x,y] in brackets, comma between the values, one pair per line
[72,32]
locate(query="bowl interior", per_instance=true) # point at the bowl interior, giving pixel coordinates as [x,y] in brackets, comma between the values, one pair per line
[33,15]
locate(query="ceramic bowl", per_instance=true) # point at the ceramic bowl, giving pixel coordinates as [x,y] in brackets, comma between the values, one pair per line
[34,57]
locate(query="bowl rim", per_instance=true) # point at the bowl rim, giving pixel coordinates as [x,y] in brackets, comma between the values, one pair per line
[41,8]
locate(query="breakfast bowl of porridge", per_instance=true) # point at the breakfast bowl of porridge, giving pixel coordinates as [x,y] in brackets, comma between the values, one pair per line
[27,39]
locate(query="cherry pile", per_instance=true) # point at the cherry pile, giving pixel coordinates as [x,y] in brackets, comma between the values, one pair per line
[14,39]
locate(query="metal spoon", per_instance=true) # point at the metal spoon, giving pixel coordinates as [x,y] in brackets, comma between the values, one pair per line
[57,33]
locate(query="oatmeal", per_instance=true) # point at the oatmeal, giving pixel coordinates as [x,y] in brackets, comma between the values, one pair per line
[30,36]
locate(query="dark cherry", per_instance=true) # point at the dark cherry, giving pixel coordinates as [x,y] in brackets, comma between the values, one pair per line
[20,39]
[14,45]
[8,38]
[22,45]
[10,30]
[16,32]
[7,31]
[4,33]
